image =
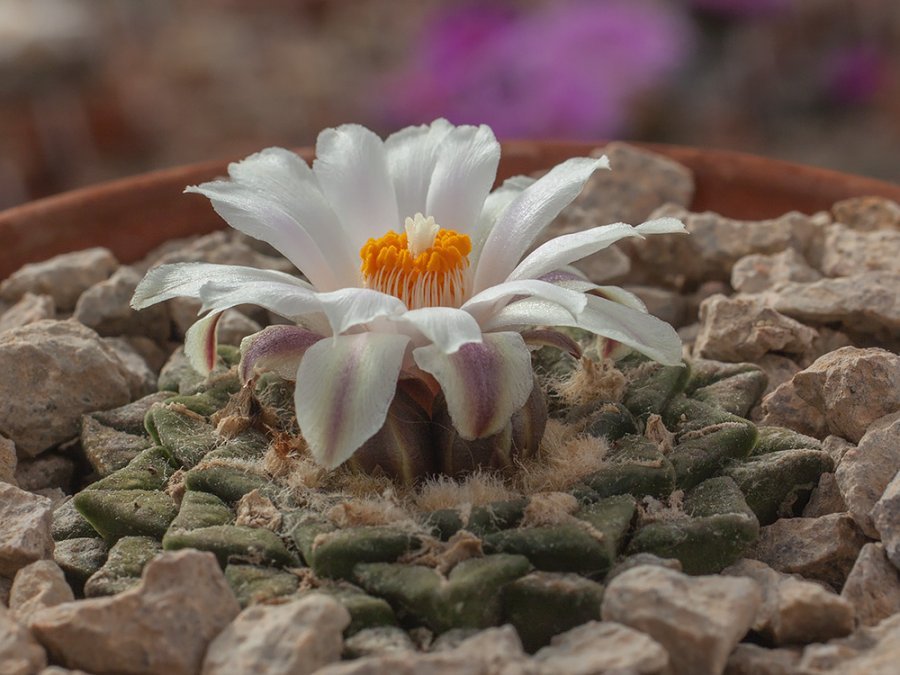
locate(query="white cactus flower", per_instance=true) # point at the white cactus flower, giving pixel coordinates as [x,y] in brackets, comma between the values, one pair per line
[415,269]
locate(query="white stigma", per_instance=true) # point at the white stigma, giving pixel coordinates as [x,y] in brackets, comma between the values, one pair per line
[420,233]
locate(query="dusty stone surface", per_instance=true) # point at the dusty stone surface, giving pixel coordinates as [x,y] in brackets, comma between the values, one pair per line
[64,277]
[5,587]
[826,498]
[28,309]
[25,520]
[750,659]
[48,470]
[836,447]
[852,388]
[867,213]
[105,308]
[795,611]
[873,586]
[234,326]
[865,471]
[163,625]
[717,243]
[20,653]
[886,518]
[378,641]
[664,304]
[756,273]
[495,650]
[601,647]
[848,251]
[743,329]
[866,303]
[783,407]
[823,549]
[868,651]
[698,620]
[8,460]
[778,369]
[36,586]
[294,638]
[638,183]
[67,370]
[142,379]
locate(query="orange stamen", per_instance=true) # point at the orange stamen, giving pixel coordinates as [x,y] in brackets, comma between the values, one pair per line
[433,278]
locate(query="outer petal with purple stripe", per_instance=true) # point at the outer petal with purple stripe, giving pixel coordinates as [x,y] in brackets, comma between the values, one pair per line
[344,387]
[484,383]
[277,349]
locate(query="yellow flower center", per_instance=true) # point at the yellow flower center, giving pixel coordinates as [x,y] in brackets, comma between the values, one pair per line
[425,266]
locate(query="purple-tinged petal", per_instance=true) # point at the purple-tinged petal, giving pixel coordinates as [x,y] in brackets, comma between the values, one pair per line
[345,386]
[632,327]
[352,169]
[543,337]
[276,349]
[200,343]
[528,214]
[484,383]
[466,166]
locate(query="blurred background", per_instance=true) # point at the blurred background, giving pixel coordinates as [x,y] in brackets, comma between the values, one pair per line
[97,89]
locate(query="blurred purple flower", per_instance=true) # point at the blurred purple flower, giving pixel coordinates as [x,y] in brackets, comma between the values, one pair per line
[571,69]
[854,75]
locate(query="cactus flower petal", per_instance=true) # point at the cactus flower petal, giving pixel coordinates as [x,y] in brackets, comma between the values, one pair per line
[484,383]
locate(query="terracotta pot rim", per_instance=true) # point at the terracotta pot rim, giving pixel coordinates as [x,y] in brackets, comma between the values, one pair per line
[132,215]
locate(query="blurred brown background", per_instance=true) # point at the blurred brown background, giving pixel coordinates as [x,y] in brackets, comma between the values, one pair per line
[97,89]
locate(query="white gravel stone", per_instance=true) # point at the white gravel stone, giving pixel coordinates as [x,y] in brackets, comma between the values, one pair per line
[743,329]
[848,251]
[795,611]
[64,277]
[698,620]
[20,653]
[8,461]
[873,586]
[294,638]
[25,521]
[867,303]
[36,586]
[868,651]
[141,378]
[783,407]
[867,213]
[823,549]
[53,372]
[717,243]
[825,499]
[28,309]
[852,388]
[865,471]
[886,518]
[106,308]
[602,647]
[163,625]
[495,651]
[750,659]
[757,273]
